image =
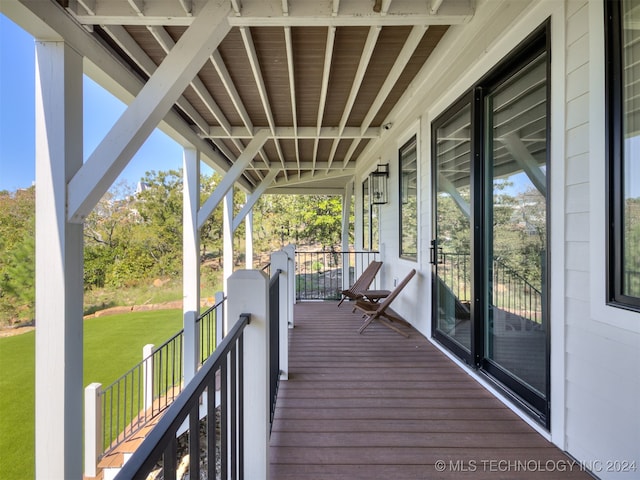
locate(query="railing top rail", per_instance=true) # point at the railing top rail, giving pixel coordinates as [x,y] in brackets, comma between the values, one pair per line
[210,309]
[337,251]
[154,444]
[274,277]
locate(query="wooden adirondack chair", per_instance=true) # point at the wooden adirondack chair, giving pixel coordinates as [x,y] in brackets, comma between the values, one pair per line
[381,311]
[362,283]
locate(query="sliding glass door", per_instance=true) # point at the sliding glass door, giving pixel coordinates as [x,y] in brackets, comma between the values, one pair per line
[489,250]
[515,332]
[451,247]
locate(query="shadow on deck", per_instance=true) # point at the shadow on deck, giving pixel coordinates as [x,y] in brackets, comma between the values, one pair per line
[380,406]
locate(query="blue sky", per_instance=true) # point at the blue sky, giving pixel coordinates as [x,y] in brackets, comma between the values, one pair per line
[17,118]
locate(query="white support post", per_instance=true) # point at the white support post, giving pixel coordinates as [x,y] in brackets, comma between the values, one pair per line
[221,324]
[92,429]
[346,209]
[280,261]
[291,255]
[191,262]
[248,240]
[59,264]
[227,234]
[256,365]
[147,375]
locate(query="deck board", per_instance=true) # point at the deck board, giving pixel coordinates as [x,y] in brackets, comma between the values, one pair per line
[379,406]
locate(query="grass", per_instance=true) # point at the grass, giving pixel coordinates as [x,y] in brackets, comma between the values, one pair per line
[112,345]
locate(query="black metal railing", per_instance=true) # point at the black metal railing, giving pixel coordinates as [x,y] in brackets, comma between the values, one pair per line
[511,292]
[142,393]
[274,341]
[212,446]
[208,324]
[319,274]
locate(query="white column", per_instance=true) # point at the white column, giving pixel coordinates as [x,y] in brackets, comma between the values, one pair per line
[291,255]
[92,429]
[191,261]
[280,261]
[227,237]
[346,208]
[248,233]
[221,331]
[59,264]
[147,375]
[256,365]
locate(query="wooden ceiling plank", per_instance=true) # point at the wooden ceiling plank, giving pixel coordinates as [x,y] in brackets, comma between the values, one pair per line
[410,45]
[247,39]
[365,58]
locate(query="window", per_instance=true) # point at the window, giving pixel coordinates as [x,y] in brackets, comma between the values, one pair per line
[623,137]
[366,217]
[409,200]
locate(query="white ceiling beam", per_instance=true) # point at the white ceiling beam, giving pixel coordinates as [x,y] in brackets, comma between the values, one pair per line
[146,111]
[525,160]
[231,176]
[317,177]
[326,71]
[138,6]
[247,39]
[365,58]
[446,186]
[410,45]
[297,132]
[236,5]
[435,6]
[292,89]
[187,6]
[335,8]
[304,165]
[253,198]
[266,13]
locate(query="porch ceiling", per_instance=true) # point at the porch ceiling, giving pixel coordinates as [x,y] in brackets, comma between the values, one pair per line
[322,77]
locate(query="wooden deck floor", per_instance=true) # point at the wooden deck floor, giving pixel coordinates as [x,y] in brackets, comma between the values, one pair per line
[380,406]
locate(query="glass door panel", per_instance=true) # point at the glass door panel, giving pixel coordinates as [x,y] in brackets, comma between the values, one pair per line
[515,337]
[451,248]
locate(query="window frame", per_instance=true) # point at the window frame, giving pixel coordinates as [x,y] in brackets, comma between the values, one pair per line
[403,254]
[366,215]
[615,161]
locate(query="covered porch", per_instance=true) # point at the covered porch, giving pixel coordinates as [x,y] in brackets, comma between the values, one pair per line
[378,405]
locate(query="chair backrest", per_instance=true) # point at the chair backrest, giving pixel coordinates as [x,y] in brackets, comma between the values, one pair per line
[366,277]
[387,301]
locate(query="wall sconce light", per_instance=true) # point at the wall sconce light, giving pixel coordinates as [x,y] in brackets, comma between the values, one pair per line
[378,184]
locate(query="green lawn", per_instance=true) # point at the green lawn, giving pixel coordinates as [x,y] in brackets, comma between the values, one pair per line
[112,345]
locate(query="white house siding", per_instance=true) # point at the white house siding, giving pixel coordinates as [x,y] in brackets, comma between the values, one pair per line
[595,348]
[602,422]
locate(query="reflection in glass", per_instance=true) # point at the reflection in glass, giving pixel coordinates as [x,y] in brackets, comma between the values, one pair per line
[516,213]
[631,162]
[453,233]
[409,200]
